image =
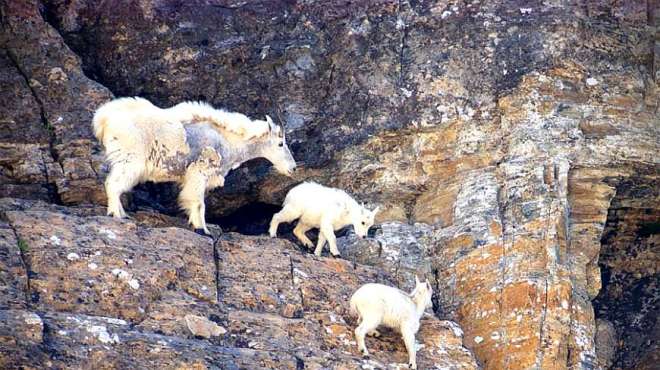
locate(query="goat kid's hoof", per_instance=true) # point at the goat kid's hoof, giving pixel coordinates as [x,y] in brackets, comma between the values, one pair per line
[366,356]
[335,255]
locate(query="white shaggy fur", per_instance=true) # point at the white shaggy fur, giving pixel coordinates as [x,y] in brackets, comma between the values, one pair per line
[325,208]
[377,304]
[230,123]
[191,143]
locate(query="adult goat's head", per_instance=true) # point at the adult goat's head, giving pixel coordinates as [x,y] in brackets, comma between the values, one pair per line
[275,149]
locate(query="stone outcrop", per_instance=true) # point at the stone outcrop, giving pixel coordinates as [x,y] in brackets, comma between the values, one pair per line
[511,145]
[52,103]
[91,291]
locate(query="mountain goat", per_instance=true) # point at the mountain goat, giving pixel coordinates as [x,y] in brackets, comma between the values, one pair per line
[191,143]
[377,304]
[325,208]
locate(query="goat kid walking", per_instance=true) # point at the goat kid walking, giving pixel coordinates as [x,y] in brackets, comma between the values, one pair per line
[328,209]
[378,304]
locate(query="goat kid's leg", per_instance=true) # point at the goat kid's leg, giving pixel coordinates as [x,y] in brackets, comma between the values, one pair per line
[409,340]
[319,244]
[361,331]
[121,179]
[300,231]
[287,214]
[329,233]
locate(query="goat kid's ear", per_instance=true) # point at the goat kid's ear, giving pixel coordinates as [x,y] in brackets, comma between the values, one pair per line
[375,210]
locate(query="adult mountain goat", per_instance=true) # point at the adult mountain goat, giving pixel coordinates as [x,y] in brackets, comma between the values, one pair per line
[328,209]
[377,304]
[191,143]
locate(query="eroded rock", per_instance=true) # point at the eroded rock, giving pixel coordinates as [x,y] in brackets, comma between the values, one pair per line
[275,307]
[203,327]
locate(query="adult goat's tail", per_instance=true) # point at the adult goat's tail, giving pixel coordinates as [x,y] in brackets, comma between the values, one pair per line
[118,107]
[99,122]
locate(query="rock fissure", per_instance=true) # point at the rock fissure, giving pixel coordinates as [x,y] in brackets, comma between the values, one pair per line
[47,125]
[217,261]
[22,249]
[402,24]
[546,262]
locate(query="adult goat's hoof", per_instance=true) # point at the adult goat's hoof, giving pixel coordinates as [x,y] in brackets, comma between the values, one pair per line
[335,255]
[202,232]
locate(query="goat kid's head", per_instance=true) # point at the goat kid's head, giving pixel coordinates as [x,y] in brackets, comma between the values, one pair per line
[363,220]
[276,150]
[422,293]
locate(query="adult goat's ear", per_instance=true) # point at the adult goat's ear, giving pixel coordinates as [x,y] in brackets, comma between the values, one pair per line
[417,282]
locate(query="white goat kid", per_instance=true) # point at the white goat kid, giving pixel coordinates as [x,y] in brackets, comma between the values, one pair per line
[377,304]
[191,143]
[329,209]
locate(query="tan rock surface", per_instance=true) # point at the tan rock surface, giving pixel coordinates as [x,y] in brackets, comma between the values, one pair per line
[120,294]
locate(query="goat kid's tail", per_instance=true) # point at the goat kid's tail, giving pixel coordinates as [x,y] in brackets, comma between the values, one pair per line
[353,309]
[104,114]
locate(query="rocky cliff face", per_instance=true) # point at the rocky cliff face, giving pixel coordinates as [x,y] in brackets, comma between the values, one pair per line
[87,291]
[512,145]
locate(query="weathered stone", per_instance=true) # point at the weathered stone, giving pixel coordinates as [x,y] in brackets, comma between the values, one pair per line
[20,326]
[400,249]
[91,341]
[203,327]
[606,343]
[103,266]
[62,98]
[13,274]
[27,168]
[278,308]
